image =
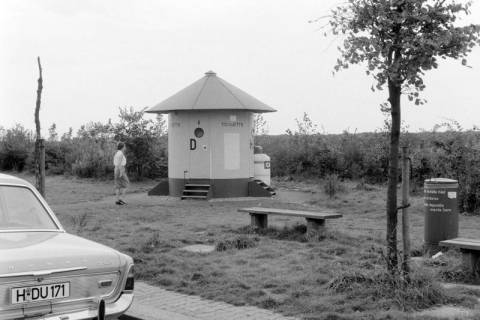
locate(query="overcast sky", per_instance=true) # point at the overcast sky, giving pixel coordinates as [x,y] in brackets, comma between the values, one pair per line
[101,55]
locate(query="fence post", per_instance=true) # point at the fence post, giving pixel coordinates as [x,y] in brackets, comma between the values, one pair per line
[405,205]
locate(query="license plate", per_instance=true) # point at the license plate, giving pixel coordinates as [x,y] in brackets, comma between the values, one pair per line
[40,293]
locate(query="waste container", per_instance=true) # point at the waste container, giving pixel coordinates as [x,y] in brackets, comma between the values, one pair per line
[441,212]
[261,165]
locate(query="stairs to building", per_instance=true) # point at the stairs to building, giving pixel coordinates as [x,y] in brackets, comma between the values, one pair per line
[266,187]
[258,188]
[196,191]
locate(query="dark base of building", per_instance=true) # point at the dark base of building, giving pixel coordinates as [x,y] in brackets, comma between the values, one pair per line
[220,188]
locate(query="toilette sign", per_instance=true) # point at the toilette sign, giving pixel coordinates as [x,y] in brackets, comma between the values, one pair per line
[232,124]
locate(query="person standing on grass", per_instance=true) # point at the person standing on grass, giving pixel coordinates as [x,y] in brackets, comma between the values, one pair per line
[121,178]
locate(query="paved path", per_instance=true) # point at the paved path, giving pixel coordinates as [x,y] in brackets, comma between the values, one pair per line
[153,303]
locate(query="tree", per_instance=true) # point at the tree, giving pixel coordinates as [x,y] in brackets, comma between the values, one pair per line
[399,40]
[306,125]
[140,135]
[67,136]
[259,125]
[52,133]
[39,143]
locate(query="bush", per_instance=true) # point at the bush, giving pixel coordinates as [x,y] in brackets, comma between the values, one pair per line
[92,159]
[297,232]
[90,153]
[333,185]
[146,144]
[385,290]
[239,243]
[16,146]
[453,153]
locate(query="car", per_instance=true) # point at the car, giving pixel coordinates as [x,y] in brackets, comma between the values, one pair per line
[47,273]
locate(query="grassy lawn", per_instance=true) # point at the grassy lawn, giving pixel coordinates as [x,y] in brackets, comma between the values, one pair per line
[339,276]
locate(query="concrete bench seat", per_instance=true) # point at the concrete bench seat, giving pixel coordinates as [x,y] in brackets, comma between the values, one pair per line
[470,249]
[315,220]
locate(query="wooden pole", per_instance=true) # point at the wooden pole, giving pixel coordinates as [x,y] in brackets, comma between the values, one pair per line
[405,205]
[39,143]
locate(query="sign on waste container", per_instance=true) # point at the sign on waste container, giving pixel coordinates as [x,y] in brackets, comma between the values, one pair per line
[441,211]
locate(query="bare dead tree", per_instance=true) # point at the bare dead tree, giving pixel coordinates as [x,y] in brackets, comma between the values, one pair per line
[39,143]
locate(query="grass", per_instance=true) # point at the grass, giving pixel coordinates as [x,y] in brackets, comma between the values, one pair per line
[340,276]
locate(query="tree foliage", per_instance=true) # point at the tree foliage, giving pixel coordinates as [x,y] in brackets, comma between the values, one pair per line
[399,40]
[15,147]
[140,135]
[259,125]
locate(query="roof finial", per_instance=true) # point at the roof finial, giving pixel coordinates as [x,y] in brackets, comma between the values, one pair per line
[210,74]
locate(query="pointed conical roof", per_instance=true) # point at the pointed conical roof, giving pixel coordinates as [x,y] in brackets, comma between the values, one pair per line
[211,93]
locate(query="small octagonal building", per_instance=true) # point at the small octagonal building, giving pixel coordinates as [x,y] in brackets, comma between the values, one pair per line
[210,139]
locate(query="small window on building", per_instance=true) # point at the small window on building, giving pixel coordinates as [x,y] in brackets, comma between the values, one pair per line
[199,132]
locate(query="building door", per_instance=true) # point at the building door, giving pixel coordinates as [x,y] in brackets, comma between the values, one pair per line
[200,149]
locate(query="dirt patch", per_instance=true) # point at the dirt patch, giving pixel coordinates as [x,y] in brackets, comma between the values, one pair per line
[199,248]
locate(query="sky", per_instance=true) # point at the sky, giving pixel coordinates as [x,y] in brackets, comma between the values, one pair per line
[100,55]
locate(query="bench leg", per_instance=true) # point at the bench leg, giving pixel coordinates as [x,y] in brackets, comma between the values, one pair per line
[315,228]
[471,261]
[259,220]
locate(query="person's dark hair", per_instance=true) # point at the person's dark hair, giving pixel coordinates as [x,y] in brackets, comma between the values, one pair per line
[120,145]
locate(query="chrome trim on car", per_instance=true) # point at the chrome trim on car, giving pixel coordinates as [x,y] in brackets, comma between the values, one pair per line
[69,276]
[32,230]
[41,273]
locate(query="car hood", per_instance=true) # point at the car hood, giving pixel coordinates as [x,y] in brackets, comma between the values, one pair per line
[22,252]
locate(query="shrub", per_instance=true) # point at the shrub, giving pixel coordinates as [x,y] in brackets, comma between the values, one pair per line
[386,290]
[151,243]
[16,145]
[146,144]
[297,232]
[91,159]
[455,154]
[333,185]
[239,242]
[90,153]
[451,153]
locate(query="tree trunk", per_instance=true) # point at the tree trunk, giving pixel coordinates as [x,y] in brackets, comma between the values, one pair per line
[39,99]
[40,166]
[392,253]
[39,143]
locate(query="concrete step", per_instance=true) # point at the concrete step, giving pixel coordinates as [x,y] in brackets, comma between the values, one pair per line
[194,197]
[265,186]
[195,185]
[195,191]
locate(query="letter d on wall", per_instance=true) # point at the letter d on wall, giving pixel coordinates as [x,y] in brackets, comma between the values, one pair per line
[193,144]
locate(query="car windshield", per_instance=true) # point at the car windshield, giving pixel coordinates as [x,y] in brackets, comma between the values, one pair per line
[20,209]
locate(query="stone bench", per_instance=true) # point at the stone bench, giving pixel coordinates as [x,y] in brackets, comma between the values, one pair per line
[470,249]
[315,220]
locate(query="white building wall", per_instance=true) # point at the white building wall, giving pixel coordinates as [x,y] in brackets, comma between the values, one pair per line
[224,152]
